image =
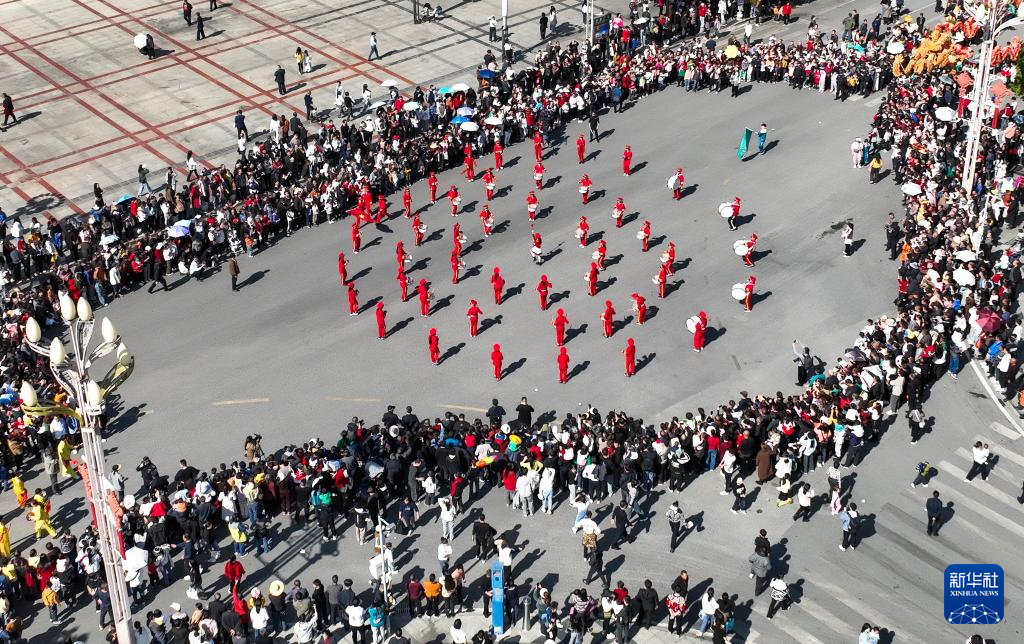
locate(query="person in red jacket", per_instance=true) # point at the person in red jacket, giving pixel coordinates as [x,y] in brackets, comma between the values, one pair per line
[434,346]
[473,313]
[496,359]
[543,286]
[662,281]
[592,280]
[486,220]
[401,257]
[618,210]
[456,265]
[629,353]
[677,187]
[234,571]
[457,238]
[497,284]
[403,282]
[531,205]
[560,322]
[581,231]
[418,230]
[407,202]
[627,158]
[751,243]
[342,268]
[470,163]
[640,307]
[489,183]
[735,205]
[353,299]
[600,254]
[608,319]
[699,331]
[454,199]
[748,290]
[357,237]
[668,258]
[645,235]
[585,184]
[538,174]
[423,290]
[499,161]
[563,365]
[538,145]
[432,184]
[382,326]
[581,147]
[382,208]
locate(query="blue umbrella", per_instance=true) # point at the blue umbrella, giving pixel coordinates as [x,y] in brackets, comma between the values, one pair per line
[459,119]
[445,90]
[124,199]
[487,73]
[177,231]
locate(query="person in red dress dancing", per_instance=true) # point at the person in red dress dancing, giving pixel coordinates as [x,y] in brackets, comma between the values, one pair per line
[531,205]
[499,160]
[418,230]
[407,202]
[618,210]
[423,290]
[581,231]
[382,325]
[473,313]
[608,319]
[560,322]
[497,285]
[645,235]
[469,162]
[585,184]
[592,280]
[353,299]
[432,184]
[454,199]
[677,182]
[581,147]
[486,220]
[748,291]
[640,308]
[489,183]
[699,330]
[538,175]
[627,158]
[342,268]
[496,359]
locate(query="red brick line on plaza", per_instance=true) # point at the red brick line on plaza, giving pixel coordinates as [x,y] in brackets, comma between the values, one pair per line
[206,121]
[273,16]
[65,32]
[149,66]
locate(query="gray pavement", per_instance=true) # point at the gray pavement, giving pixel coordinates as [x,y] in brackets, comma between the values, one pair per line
[282,358]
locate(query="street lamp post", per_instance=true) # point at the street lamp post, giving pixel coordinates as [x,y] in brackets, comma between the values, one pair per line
[992,18]
[72,373]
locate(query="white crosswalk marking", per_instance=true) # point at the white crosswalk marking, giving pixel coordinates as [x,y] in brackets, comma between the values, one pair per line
[994,515]
[1000,428]
[823,615]
[864,612]
[799,634]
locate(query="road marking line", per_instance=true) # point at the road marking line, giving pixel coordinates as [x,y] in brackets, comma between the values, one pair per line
[343,399]
[999,471]
[800,635]
[819,613]
[462,407]
[995,516]
[1013,456]
[244,401]
[994,397]
[866,613]
[1004,430]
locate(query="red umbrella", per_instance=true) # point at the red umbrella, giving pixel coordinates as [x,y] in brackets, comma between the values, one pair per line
[989,321]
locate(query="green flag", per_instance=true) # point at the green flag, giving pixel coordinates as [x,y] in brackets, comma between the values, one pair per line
[744,140]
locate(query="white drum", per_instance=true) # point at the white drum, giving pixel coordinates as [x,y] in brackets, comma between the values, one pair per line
[691,324]
[739,291]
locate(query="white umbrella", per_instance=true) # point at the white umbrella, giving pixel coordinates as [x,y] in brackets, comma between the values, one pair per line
[374,105]
[965,255]
[177,231]
[895,48]
[460,87]
[465,111]
[389,83]
[140,41]
[911,189]
[492,120]
[411,106]
[469,126]
[182,222]
[933,275]
[945,114]
[136,558]
[642,21]
[964,277]
[109,239]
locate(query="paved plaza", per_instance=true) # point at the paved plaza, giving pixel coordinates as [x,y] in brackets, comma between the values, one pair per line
[282,357]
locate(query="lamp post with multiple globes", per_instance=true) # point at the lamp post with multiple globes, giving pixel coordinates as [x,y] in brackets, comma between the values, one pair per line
[72,373]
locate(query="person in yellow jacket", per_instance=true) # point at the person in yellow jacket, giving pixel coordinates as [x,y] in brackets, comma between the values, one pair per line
[20,493]
[64,457]
[5,541]
[39,514]
[51,600]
